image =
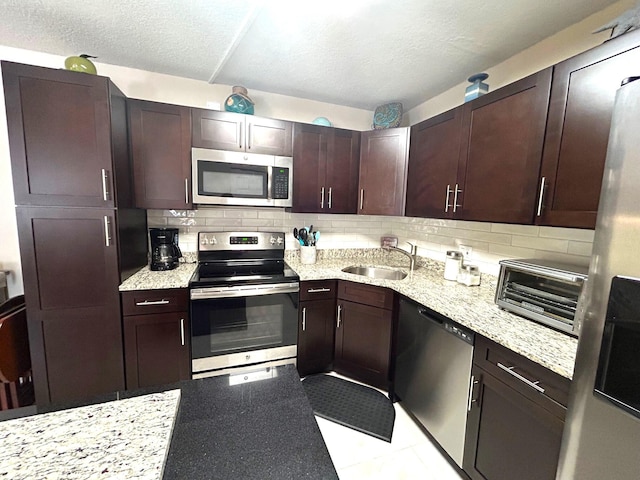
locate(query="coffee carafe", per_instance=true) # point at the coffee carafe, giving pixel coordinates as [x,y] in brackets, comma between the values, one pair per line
[164,248]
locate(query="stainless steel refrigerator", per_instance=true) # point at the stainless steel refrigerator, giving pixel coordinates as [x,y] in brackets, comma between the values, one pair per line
[602,430]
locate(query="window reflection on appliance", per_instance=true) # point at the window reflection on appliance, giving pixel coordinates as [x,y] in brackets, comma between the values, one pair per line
[235,182]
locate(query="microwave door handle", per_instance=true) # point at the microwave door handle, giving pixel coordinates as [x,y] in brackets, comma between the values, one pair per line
[269,179]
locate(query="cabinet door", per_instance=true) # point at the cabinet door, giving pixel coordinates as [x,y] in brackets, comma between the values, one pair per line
[59,136]
[363,343]
[316,336]
[583,92]
[156,349]
[70,267]
[343,159]
[433,166]
[501,151]
[383,170]
[269,136]
[508,435]
[309,165]
[160,137]
[217,130]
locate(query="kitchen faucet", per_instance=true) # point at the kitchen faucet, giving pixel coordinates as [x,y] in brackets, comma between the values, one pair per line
[412,255]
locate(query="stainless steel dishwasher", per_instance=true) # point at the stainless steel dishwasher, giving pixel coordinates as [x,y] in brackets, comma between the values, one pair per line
[433,373]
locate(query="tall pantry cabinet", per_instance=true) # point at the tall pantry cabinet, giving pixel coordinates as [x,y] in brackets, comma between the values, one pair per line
[79,236]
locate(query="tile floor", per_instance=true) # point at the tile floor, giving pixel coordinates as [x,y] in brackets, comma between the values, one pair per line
[410,455]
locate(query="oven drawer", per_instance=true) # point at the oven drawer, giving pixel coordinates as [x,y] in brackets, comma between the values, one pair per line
[317,290]
[142,302]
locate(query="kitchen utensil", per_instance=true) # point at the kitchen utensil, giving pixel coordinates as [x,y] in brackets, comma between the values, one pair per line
[295,233]
[304,236]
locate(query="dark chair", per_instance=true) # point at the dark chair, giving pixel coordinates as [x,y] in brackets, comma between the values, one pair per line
[16,384]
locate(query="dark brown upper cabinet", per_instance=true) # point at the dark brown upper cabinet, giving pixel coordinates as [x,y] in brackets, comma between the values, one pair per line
[433,165]
[501,151]
[67,138]
[160,139]
[383,171]
[582,97]
[241,133]
[326,169]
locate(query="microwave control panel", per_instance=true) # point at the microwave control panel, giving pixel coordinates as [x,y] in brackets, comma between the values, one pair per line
[280,183]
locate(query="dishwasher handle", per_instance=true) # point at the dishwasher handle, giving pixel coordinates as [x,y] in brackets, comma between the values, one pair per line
[450,326]
[429,316]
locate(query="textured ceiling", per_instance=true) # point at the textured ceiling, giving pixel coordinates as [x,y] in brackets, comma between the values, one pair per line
[359,53]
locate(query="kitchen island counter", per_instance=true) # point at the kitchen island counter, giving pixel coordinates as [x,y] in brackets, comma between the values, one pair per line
[250,430]
[473,307]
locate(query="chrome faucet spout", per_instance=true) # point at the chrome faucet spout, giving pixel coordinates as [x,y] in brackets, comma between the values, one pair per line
[412,254]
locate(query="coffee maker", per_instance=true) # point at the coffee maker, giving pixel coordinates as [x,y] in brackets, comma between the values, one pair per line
[164,248]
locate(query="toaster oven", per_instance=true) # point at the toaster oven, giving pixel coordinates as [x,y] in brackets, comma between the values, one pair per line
[544,291]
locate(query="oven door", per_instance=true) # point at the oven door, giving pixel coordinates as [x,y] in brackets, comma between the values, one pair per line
[243,325]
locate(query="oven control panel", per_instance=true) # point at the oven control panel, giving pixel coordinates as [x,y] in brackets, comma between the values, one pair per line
[208,241]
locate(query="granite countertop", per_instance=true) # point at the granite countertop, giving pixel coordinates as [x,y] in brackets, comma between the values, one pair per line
[473,307]
[146,279]
[117,439]
[222,429]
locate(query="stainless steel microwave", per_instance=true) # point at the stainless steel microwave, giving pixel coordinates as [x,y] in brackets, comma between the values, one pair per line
[545,291]
[238,178]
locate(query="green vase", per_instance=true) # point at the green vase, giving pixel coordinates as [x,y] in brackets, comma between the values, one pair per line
[81,63]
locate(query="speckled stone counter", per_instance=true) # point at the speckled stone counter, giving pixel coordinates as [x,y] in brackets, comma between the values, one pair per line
[223,430]
[472,307]
[118,439]
[145,279]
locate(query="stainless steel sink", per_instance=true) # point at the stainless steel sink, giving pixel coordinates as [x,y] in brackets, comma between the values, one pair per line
[376,272]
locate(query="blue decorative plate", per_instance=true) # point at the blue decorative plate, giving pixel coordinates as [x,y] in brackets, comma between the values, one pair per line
[387,116]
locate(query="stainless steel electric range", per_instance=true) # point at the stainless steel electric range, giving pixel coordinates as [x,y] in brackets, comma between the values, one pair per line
[244,304]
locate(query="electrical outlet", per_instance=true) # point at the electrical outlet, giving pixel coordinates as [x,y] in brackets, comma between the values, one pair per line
[465,250]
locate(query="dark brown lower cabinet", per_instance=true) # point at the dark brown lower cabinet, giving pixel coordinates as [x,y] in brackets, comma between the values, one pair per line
[156,337]
[71,276]
[363,333]
[315,336]
[316,326]
[514,427]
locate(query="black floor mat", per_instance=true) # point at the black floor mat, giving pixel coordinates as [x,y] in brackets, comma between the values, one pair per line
[350,404]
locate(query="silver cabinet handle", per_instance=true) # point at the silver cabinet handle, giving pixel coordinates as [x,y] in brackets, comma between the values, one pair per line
[239,134]
[152,302]
[455,199]
[316,290]
[182,331]
[510,371]
[542,185]
[361,198]
[446,201]
[322,197]
[105,190]
[107,233]
[249,137]
[339,320]
[329,197]
[304,319]
[186,191]
[471,400]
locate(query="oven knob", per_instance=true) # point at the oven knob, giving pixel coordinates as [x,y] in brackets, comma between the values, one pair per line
[213,240]
[272,240]
[279,240]
[204,241]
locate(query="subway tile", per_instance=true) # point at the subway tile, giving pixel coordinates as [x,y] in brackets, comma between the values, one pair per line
[184,221]
[524,230]
[216,222]
[488,237]
[274,214]
[564,258]
[209,212]
[537,243]
[240,213]
[577,234]
[256,222]
[580,248]
[479,226]
[512,252]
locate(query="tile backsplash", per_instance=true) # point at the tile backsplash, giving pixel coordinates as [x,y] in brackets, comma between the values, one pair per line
[489,242]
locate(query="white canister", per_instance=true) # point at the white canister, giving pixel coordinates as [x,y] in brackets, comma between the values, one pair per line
[308,254]
[452,265]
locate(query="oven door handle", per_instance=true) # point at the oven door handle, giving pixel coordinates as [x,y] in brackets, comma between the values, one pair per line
[207,293]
